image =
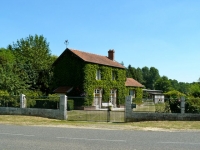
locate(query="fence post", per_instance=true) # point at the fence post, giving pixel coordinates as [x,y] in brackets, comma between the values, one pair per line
[182,105]
[22,101]
[128,110]
[63,107]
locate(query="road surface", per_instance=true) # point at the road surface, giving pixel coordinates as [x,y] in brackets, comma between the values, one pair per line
[14,137]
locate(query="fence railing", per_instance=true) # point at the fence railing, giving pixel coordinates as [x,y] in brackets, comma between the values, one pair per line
[166,105]
[96,115]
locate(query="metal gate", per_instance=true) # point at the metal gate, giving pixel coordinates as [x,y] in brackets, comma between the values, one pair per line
[96,115]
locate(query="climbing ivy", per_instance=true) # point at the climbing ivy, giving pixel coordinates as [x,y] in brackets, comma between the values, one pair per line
[106,83]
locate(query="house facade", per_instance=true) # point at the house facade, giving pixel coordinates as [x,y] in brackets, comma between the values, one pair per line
[97,78]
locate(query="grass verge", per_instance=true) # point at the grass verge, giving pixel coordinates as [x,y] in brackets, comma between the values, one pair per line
[146,125]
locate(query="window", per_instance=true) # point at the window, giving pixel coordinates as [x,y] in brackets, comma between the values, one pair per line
[113,93]
[132,93]
[98,75]
[97,98]
[113,75]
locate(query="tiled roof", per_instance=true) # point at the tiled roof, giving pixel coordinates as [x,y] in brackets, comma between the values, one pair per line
[63,89]
[132,82]
[97,59]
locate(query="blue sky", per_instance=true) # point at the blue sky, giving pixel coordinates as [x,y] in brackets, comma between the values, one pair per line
[164,34]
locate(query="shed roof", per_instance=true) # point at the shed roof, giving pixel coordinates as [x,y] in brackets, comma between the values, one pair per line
[132,82]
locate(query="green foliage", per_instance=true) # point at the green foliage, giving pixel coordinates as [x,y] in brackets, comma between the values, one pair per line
[175,105]
[4,93]
[70,104]
[36,100]
[173,94]
[163,84]
[106,83]
[134,73]
[10,73]
[162,107]
[9,101]
[34,61]
[192,105]
[146,76]
[195,90]
[137,101]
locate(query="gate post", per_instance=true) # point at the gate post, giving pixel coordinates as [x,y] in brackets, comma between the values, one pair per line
[128,110]
[63,107]
[182,105]
[22,101]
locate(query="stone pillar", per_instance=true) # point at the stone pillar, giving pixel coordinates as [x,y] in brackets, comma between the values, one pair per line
[182,105]
[22,101]
[128,110]
[63,107]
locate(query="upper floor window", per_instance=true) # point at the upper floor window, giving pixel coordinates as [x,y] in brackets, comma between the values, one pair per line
[98,75]
[113,75]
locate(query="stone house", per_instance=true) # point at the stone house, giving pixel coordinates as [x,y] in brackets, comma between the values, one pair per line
[98,79]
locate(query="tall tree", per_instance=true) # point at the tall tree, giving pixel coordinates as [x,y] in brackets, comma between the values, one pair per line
[195,90]
[153,77]
[146,74]
[33,55]
[139,76]
[10,73]
[163,84]
[175,84]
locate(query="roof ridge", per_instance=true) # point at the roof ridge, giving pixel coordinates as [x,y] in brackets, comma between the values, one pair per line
[95,58]
[87,52]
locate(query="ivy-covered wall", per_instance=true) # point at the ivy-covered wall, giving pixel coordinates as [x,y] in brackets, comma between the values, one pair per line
[138,91]
[106,83]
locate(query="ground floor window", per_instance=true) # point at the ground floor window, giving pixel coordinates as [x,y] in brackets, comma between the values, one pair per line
[132,93]
[113,97]
[97,98]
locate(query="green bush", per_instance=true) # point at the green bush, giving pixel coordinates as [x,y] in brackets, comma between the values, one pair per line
[162,107]
[9,101]
[70,104]
[137,101]
[192,105]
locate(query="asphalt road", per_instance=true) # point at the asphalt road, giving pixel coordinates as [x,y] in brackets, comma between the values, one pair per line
[55,138]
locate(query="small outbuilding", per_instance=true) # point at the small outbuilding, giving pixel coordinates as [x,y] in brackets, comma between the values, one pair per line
[156,95]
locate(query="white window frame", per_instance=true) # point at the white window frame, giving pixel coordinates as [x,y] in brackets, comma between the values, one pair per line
[113,96]
[113,75]
[98,74]
[132,93]
[97,98]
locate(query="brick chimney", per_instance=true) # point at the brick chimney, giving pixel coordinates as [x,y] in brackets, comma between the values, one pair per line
[111,54]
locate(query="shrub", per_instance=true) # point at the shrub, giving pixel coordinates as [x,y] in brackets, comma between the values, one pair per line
[70,104]
[192,105]
[162,107]
[137,101]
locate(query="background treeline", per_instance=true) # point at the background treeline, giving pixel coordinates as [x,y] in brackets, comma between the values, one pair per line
[26,67]
[151,79]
